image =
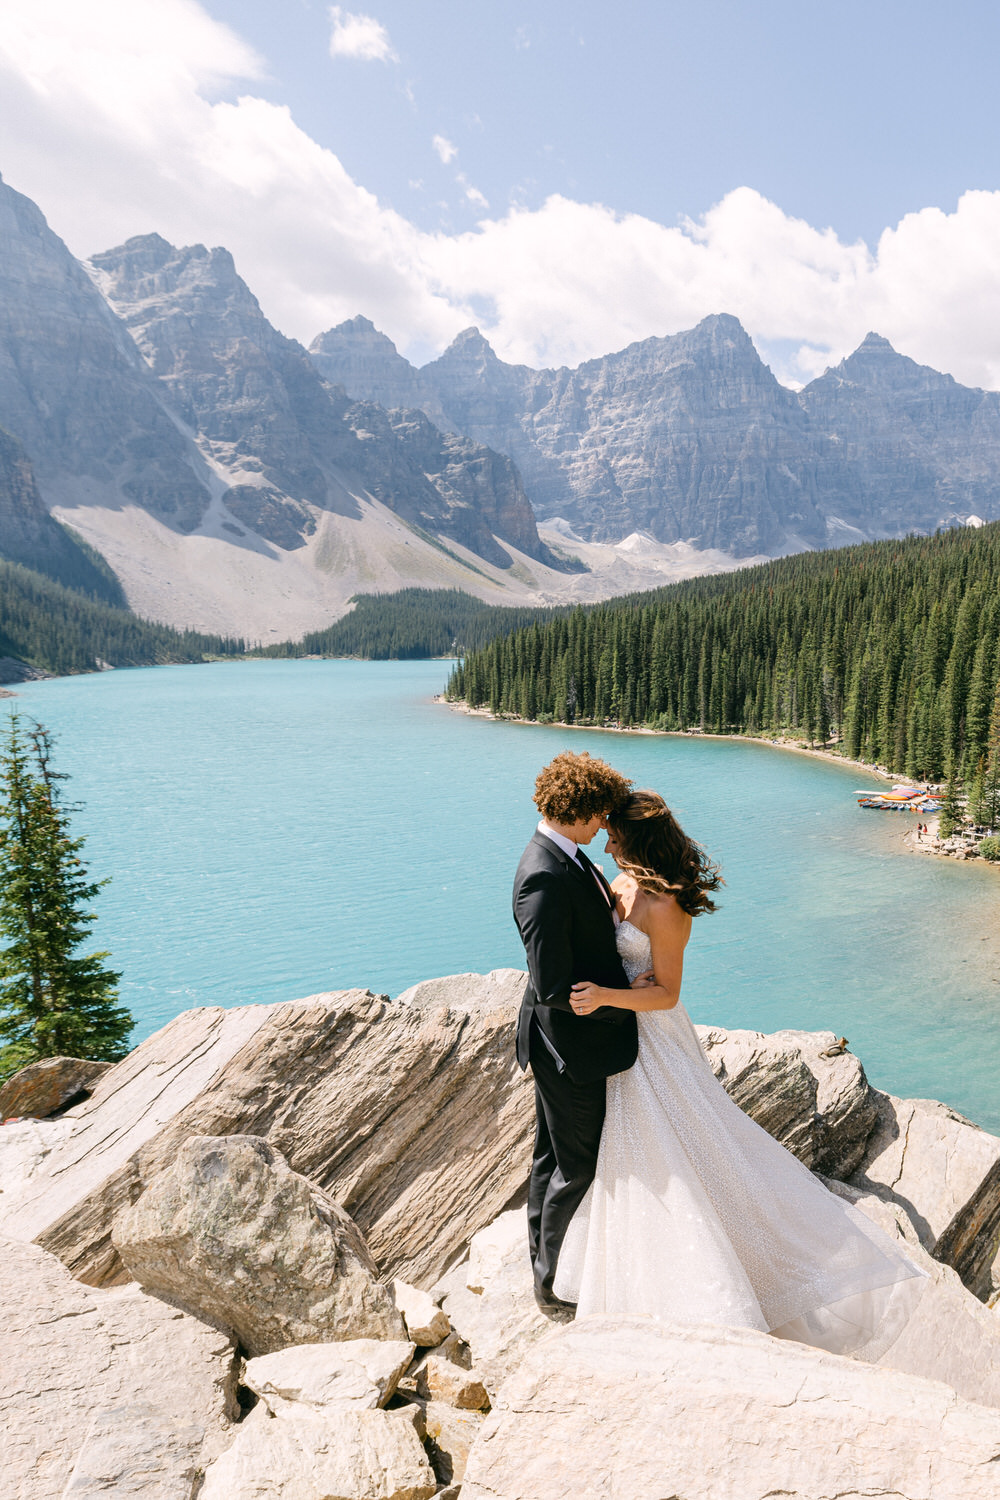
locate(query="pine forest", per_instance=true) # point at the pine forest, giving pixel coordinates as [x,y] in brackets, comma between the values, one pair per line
[889,650]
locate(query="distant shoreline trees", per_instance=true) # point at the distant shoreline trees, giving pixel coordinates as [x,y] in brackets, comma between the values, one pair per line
[53,1000]
[892,649]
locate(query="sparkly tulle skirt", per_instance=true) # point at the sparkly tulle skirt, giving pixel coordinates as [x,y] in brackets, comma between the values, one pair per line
[697,1215]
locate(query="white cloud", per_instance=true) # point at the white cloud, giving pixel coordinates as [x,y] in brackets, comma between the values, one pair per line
[444,148]
[473,194]
[119,117]
[359,37]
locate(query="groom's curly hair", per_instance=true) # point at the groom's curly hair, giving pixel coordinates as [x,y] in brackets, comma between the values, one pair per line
[574,788]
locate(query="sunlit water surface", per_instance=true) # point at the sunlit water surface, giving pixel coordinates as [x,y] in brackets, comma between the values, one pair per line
[274,829]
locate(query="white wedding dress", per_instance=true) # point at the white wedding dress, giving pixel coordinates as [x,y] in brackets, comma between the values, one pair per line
[697,1215]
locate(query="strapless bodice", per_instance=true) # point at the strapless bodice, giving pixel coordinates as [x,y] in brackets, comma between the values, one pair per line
[634,949]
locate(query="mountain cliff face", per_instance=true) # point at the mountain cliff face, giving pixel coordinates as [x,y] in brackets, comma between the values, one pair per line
[75,390]
[902,441]
[691,438]
[202,454]
[29,535]
[289,443]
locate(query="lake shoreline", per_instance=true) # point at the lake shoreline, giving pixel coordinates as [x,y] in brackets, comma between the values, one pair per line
[795,746]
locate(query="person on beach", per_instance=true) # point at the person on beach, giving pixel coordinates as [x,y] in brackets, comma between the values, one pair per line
[694,1213]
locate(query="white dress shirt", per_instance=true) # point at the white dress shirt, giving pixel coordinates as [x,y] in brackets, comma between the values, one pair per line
[568,847]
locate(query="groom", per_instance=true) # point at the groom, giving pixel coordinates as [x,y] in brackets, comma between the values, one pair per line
[564,910]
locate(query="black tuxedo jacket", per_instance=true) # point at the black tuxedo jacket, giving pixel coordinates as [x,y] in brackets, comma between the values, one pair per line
[569,935]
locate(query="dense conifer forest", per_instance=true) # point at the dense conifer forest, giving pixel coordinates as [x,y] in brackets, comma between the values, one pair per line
[59,630]
[889,649]
[412,623]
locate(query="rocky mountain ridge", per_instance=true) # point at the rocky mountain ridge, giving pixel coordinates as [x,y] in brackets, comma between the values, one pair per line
[199,451]
[691,438]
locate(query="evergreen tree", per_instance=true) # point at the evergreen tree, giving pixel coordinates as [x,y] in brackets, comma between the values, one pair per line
[986,808]
[53,1001]
[952,809]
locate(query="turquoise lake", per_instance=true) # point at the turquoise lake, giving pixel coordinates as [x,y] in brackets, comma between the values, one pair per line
[275,829]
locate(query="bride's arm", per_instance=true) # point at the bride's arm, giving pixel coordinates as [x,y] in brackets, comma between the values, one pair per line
[668,929]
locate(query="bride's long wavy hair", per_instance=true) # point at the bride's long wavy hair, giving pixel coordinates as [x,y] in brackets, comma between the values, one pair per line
[654,849]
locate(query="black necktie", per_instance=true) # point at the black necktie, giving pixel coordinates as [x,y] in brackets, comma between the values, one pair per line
[594,874]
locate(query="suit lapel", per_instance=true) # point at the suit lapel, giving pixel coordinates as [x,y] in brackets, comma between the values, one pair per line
[576,870]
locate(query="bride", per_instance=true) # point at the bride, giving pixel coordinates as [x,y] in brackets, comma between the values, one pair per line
[696,1214]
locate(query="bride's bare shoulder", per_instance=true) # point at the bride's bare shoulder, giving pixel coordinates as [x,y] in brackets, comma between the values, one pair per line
[664,911]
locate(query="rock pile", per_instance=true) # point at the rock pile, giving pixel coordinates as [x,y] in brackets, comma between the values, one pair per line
[276,1255]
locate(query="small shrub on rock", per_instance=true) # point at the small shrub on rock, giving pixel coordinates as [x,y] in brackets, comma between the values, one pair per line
[990,848]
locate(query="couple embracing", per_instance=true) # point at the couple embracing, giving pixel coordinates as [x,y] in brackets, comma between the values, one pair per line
[652,1194]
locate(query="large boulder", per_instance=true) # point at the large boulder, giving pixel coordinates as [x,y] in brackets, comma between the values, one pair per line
[811,1096]
[308,1378]
[81,1373]
[230,1233]
[945,1172]
[606,1409]
[950,1336]
[136,1450]
[413,1115]
[40,1088]
[351,1454]
[490,1301]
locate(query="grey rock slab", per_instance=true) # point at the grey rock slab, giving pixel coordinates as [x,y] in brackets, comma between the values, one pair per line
[611,1409]
[945,1172]
[233,1235]
[950,1336]
[426,1324]
[450,1434]
[134,1450]
[96,1170]
[70,1351]
[349,1455]
[309,1378]
[499,1321]
[42,1087]
[821,1108]
[415,1117]
[441,1380]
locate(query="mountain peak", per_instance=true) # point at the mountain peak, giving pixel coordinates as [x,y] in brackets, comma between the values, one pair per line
[355,332]
[469,341]
[874,342]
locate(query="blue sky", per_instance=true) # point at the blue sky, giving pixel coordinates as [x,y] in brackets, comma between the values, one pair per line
[848,114]
[569,177]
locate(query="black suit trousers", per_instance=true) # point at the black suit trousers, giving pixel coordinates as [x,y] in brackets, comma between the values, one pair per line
[569,1120]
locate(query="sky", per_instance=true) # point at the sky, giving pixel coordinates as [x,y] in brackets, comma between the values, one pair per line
[569,177]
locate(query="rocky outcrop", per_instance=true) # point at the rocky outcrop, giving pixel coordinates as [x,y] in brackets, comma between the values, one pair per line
[441,1380]
[43,1087]
[74,389]
[103,1384]
[603,1407]
[350,1454]
[425,1323]
[375,1102]
[690,437]
[810,1095]
[230,1233]
[950,1335]
[489,1299]
[944,1172]
[355,1372]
